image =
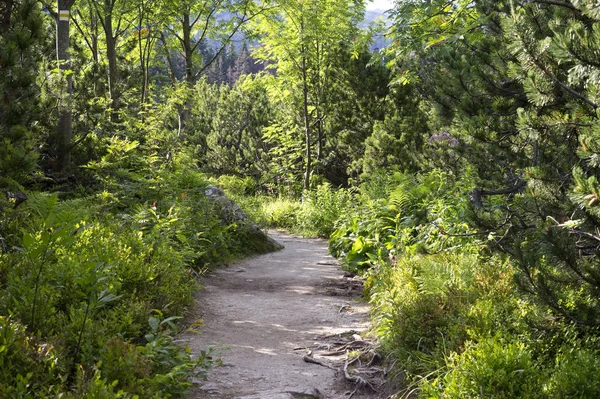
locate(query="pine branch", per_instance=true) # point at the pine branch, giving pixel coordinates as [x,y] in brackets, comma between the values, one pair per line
[556,3]
[564,86]
[476,194]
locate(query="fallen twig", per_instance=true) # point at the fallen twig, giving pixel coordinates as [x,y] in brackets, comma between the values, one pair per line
[309,359]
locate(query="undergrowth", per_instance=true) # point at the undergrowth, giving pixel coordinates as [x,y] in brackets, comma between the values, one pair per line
[313,215]
[446,303]
[92,287]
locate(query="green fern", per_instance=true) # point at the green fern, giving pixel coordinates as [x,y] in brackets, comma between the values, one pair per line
[55,213]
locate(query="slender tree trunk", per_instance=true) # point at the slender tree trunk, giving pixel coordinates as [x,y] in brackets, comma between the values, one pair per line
[307,145]
[187,50]
[94,38]
[150,42]
[65,121]
[189,66]
[142,51]
[308,160]
[111,55]
[5,15]
[319,94]
[320,133]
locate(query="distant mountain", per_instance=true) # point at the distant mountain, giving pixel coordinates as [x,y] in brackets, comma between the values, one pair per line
[237,56]
[374,16]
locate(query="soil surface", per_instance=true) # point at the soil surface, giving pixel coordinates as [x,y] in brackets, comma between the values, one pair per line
[272,315]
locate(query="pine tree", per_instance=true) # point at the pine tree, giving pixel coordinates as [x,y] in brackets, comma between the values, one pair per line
[516,84]
[20,36]
[235,144]
[558,46]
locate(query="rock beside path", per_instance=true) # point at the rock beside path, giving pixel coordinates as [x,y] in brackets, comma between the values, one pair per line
[231,213]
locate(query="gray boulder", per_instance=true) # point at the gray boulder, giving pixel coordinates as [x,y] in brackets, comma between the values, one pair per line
[231,213]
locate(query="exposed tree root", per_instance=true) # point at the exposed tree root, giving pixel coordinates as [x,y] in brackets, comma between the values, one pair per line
[309,359]
[358,360]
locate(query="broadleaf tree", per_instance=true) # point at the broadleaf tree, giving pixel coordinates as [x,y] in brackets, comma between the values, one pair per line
[300,40]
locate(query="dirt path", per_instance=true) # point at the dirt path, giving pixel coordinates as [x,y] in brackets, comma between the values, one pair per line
[269,311]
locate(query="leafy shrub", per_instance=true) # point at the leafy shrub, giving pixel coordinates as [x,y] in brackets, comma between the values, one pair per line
[124,363]
[26,366]
[421,214]
[435,289]
[576,375]
[88,273]
[495,367]
[322,208]
[236,186]
[422,306]
[172,365]
[281,213]
[316,215]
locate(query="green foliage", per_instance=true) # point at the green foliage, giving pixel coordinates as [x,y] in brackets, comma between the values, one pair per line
[472,142]
[171,364]
[21,36]
[322,208]
[315,216]
[26,365]
[422,214]
[304,41]
[398,141]
[435,289]
[280,212]
[516,135]
[238,187]
[575,374]
[235,144]
[422,304]
[493,367]
[88,273]
[73,276]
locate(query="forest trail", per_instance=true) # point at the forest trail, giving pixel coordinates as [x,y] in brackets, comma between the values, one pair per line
[268,312]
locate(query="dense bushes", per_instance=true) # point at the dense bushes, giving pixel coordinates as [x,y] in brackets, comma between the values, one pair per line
[447,306]
[314,215]
[97,292]
[92,286]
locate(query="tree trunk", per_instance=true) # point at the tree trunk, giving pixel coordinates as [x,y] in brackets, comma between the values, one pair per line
[5,15]
[65,121]
[308,160]
[94,29]
[320,134]
[187,50]
[319,95]
[142,51]
[150,42]
[111,55]
[189,67]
